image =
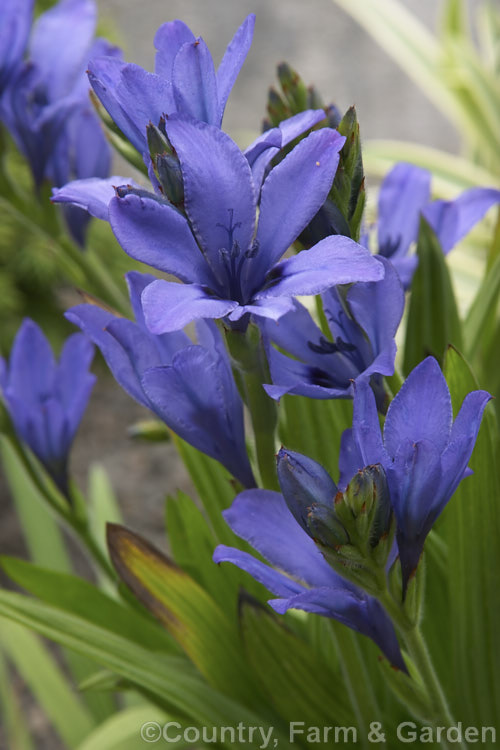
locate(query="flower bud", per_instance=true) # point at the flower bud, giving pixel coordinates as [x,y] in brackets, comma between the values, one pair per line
[355,533]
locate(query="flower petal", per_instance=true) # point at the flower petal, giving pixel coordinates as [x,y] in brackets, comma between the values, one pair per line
[93,321]
[334,260]
[421,410]
[195,84]
[192,397]
[403,194]
[170,307]
[286,211]
[271,579]
[452,220]
[262,518]
[218,187]
[233,59]
[168,40]
[60,42]
[266,146]
[92,194]
[378,307]
[304,482]
[156,234]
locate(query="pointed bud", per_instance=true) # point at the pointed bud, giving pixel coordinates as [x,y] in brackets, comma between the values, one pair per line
[348,191]
[157,142]
[277,109]
[293,87]
[355,532]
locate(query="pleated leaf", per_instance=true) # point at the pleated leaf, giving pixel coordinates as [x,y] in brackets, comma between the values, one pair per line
[433,322]
[471,529]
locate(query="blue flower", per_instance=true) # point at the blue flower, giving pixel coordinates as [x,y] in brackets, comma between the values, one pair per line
[361,344]
[46,104]
[184,81]
[423,451]
[15,24]
[229,265]
[404,197]
[190,387]
[46,400]
[301,577]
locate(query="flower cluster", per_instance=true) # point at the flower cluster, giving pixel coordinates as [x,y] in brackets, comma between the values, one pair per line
[220,220]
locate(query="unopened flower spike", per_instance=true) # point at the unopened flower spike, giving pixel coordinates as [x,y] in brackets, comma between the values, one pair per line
[46,399]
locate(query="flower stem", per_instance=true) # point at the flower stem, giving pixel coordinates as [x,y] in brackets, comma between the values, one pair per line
[251,371]
[419,654]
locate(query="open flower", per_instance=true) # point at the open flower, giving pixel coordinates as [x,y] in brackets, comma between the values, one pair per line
[190,387]
[228,265]
[404,197]
[361,344]
[15,24]
[45,399]
[423,451]
[301,577]
[46,103]
[184,81]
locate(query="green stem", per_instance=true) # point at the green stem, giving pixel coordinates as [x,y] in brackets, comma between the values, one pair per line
[251,371]
[417,648]
[87,539]
[419,653]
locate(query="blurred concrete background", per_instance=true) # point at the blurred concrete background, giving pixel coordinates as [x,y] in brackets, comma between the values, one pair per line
[314,36]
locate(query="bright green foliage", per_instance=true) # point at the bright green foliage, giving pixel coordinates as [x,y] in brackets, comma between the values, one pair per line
[433,321]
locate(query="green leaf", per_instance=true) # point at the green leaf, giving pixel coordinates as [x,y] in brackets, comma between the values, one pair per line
[187,611]
[82,598]
[192,544]
[484,306]
[315,427]
[296,679]
[471,528]
[455,19]
[41,530]
[433,321]
[171,680]
[215,487]
[123,731]
[51,689]
[14,723]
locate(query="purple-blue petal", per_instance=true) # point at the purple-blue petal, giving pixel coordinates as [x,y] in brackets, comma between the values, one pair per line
[366,427]
[262,518]
[421,410]
[233,60]
[219,193]
[378,307]
[170,307]
[193,398]
[60,42]
[452,220]
[273,580]
[195,84]
[403,194]
[334,260]
[158,235]
[286,211]
[92,194]
[168,40]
